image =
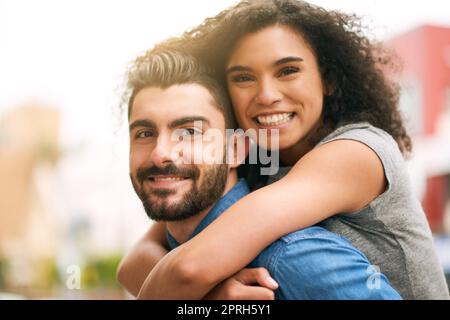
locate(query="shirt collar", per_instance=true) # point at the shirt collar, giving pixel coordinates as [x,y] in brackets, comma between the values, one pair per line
[238,191]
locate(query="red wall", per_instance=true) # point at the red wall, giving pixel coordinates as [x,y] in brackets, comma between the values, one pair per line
[425,52]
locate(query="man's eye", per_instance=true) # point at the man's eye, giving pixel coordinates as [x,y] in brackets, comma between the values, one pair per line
[288,71]
[188,132]
[144,134]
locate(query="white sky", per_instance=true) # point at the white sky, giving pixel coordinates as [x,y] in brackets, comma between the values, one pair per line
[72,54]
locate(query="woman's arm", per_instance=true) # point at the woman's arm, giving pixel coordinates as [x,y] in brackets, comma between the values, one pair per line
[137,264]
[340,176]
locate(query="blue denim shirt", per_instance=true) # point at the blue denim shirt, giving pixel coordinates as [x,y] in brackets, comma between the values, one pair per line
[311,263]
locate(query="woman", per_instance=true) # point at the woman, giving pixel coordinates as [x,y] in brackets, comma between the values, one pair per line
[313,75]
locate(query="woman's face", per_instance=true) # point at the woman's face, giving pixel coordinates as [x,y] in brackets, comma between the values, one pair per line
[274,81]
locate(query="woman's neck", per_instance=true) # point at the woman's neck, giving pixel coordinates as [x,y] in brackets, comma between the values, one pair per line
[291,155]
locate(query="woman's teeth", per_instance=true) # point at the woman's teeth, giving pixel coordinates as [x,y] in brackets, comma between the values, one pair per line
[275,119]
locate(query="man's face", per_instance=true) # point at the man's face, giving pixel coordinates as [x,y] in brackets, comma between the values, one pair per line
[168,136]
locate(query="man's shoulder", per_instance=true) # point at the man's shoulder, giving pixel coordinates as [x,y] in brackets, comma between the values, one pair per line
[295,244]
[314,263]
[314,233]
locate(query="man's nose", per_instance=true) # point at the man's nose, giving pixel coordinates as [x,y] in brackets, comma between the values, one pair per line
[164,152]
[268,93]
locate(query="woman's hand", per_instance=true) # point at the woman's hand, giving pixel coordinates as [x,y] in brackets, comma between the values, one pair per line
[247,284]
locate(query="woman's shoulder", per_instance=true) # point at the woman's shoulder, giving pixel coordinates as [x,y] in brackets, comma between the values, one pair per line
[381,142]
[358,131]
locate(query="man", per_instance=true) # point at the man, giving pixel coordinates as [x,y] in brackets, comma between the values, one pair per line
[186,175]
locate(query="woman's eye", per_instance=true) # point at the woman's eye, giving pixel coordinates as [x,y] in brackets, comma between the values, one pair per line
[241,78]
[144,134]
[288,71]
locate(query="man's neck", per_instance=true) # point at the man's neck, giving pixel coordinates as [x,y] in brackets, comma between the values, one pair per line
[181,230]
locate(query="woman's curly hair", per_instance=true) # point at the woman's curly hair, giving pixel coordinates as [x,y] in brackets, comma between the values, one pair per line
[349,62]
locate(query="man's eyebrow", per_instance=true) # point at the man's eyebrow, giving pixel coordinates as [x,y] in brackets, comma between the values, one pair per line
[189,119]
[142,123]
[275,64]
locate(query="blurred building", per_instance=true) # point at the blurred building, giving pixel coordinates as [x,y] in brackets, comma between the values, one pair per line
[62,205]
[28,152]
[425,101]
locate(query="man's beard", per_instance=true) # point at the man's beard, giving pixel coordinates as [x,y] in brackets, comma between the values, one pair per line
[194,201]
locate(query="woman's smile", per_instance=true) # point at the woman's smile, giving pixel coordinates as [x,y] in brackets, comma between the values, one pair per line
[274,120]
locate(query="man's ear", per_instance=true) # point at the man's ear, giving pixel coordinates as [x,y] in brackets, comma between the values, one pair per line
[238,148]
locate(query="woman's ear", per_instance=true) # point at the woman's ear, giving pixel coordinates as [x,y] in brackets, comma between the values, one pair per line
[330,82]
[238,148]
[328,88]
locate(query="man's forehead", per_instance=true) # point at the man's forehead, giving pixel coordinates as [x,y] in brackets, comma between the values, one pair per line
[175,102]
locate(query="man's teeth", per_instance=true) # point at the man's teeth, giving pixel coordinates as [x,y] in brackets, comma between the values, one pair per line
[167,178]
[275,119]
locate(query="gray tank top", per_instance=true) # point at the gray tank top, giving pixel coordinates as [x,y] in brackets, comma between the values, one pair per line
[392,231]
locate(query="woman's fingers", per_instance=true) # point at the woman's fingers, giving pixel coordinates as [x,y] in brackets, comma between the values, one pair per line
[247,284]
[256,276]
[246,292]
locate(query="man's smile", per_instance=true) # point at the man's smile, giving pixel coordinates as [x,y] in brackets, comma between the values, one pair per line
[166,181]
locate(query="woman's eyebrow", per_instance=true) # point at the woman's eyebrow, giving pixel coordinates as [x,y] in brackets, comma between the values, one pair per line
[287,60]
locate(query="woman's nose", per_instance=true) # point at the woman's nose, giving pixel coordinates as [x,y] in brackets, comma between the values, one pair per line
[268,93]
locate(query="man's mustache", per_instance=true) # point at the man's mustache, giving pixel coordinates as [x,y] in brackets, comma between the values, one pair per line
[170,169]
